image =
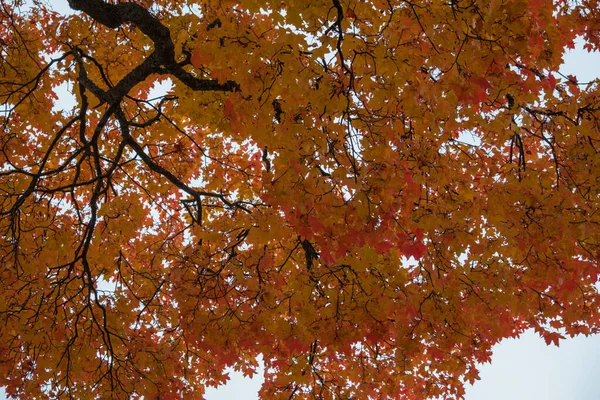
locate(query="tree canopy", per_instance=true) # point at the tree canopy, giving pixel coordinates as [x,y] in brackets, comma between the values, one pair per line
[366,194]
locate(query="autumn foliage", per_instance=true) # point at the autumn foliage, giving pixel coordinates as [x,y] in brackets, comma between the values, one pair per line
[366,194]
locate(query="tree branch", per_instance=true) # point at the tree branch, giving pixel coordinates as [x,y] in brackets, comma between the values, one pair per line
[115,15]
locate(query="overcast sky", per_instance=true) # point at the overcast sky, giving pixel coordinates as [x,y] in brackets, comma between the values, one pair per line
[521,369]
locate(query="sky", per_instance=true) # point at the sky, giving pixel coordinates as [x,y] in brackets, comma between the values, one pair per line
[521,369]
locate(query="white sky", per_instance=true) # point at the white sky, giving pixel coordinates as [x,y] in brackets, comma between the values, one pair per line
[521,369]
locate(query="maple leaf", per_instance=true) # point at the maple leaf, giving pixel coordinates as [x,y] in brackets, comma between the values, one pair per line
[552,337]
[345,189]
[200,57]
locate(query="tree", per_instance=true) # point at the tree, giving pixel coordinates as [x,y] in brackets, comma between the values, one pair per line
[367,194]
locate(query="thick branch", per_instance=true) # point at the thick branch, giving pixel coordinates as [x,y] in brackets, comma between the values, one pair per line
[114,15]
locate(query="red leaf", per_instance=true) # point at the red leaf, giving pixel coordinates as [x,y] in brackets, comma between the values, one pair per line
[315,224]
[200,57]
[552,80]
[229,109]
[482,82]
[552,337]
[416,250]
[383,247]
